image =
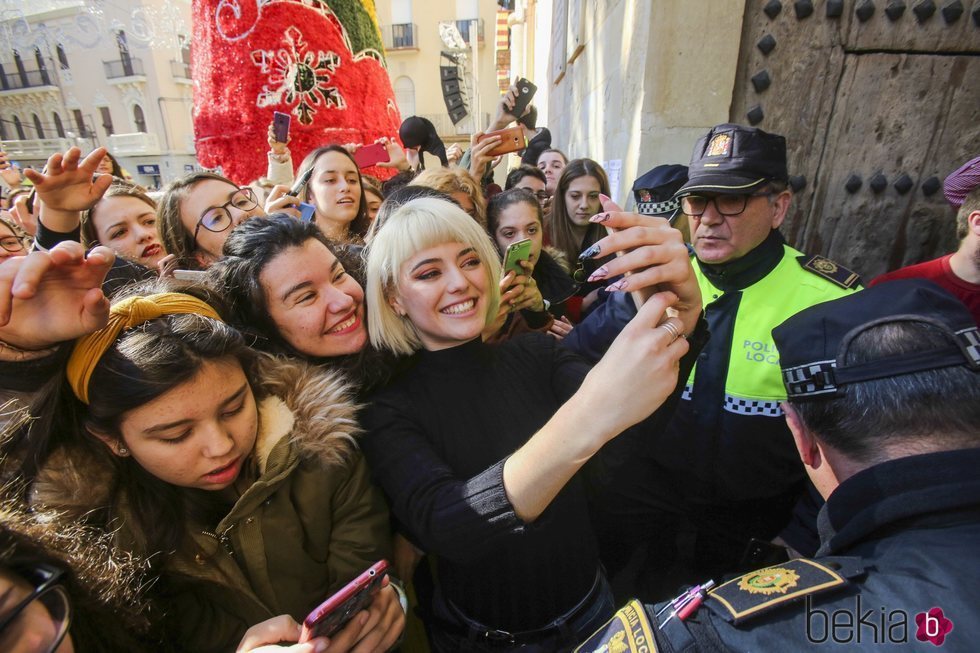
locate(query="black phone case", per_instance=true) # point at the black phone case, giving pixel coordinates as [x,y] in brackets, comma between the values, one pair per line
[525,93]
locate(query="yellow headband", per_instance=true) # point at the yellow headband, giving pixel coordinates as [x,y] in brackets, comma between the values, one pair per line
[129,313]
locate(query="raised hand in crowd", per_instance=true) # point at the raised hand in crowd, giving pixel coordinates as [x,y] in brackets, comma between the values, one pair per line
[654,259]
[277,147]
[480,153]
[68,186]
[11,176]
[24,211]
[504,116]
[397,158]
[279,201]
[54,296]
[453,154]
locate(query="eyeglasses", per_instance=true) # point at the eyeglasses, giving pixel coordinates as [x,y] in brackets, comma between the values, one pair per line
[728,205]
[218,218]
[55,600]
[12,244]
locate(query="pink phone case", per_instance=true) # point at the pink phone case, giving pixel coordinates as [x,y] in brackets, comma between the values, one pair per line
[334,613]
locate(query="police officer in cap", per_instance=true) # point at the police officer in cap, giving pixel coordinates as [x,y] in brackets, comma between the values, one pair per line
[725,472]
[883,403]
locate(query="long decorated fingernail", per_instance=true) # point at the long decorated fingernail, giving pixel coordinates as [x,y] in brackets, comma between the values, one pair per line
[603,197]
[619,285]
[599,274]
[591,252]
[599,217]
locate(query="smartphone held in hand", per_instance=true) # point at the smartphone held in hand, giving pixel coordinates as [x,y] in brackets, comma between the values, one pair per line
[517,252]
[370,155]
[334,613]
[512,139]
[525,92]
[280,126]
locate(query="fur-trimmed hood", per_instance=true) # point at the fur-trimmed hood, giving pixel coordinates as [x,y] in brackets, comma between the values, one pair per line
[310,405]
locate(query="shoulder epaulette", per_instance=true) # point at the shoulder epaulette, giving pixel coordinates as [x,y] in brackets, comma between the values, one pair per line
[762,590]
[824,267]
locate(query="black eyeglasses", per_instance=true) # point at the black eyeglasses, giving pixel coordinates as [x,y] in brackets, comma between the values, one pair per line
[727,205]
[12,244]
[53,597]
[218,218]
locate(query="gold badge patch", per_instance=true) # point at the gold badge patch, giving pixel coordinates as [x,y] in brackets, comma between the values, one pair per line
[830,271]
[774,580]
[720,145]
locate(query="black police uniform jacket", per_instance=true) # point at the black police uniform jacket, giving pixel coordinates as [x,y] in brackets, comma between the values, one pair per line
[899,569]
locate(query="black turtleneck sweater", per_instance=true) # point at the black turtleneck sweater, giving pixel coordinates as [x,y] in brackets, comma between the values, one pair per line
[437,441]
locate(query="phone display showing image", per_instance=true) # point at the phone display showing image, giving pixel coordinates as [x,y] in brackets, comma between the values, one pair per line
[517,252]
[370,155]
[334,613]
[512,139]
[280,126]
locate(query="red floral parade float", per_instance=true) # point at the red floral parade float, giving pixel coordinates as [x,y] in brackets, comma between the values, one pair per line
[320,61]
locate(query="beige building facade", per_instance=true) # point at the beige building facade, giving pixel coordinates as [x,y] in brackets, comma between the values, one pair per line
[414,47]
[629,83]
[114,73]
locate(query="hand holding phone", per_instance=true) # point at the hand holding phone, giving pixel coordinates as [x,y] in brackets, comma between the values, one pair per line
[370,155]
[334,613]
[525,92]
[512,139]
[280,127]
[517,252]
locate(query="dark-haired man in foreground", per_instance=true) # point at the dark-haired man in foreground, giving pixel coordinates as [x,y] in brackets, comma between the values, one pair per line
[883,402]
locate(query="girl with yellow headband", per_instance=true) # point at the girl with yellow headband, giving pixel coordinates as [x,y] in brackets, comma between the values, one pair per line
[238,473]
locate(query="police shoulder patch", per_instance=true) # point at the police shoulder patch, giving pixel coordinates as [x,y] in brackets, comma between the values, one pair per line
[829,270]
[764,589]
[628,630]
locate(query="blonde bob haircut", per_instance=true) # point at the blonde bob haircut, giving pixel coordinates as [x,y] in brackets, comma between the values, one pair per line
[415,226]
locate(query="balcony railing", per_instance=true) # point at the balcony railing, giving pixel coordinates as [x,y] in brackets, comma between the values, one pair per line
[12,80]
[37,148]
[403,36]
[180,69]
[128,67]
[134,144]
[465,26]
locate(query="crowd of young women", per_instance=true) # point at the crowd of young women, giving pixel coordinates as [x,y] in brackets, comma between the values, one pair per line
[243,436]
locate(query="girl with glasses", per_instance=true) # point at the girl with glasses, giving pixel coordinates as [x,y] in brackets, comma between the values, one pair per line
[13,241]
[197,212]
